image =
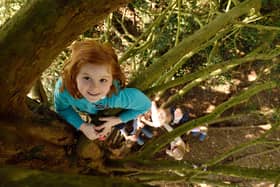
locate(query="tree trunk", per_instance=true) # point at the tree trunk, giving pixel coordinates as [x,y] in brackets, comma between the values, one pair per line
[34,36]
[29,41]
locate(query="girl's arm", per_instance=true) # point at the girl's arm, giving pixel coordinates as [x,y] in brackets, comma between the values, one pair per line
[133,102]
[64,108]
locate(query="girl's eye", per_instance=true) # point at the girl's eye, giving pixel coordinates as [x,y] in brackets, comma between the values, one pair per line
[86,78]
[103,80]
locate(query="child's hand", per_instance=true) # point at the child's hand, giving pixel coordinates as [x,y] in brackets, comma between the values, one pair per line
[106,127]
[132,138]
[159,116]
[140,122]
[89,131]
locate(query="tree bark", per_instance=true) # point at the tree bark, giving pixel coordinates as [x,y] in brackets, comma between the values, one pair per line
[10,176]
[29,42]
[158,169]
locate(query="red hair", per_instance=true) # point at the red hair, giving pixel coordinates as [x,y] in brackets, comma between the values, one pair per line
[93,52]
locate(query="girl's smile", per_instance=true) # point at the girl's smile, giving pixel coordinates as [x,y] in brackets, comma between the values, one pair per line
[94,95]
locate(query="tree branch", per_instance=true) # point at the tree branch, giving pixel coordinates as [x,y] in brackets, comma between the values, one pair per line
[191,43]
[151,148]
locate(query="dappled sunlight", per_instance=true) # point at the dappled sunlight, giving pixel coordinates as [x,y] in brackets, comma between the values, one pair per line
[194,100]
[264,184]
[202,87]
[261,129]
[216,72]
[267,71]
[235,82]
[250,136]
[265,127]
[252,76]
[266,110]
[276,99]
[190,106]
[204,185]
[210,108]
[181,92]
[222,88]
[8,9]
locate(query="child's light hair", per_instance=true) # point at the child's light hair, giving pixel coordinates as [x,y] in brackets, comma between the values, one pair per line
[93,52]
[179,152]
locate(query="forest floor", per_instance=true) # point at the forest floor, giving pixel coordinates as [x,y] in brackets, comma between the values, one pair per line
[224,136]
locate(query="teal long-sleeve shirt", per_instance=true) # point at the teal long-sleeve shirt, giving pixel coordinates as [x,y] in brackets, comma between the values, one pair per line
[132,100]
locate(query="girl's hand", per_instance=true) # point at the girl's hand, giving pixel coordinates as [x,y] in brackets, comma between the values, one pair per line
[89,131]
[106,127]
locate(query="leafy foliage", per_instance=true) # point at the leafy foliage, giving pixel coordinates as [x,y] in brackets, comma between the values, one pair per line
[8,8]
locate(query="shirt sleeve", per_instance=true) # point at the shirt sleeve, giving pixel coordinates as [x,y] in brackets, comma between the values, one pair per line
[133,101]
[64,108]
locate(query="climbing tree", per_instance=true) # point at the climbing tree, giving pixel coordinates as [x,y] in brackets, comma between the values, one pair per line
[169,44]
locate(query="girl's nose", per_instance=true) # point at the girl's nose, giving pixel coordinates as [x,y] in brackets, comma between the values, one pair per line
[93,85]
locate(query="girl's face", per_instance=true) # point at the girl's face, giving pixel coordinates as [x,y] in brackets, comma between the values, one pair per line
[94,81]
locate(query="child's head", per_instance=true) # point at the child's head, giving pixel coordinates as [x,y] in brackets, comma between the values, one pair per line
[177,152]
[91,71]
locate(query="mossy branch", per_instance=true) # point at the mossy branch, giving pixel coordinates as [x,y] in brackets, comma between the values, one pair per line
[211,70]
[179,2]
[16,177]
[161,83]
[147,34]
[151,148]
[259,27]
[220,68]
[138,169]
[151,74]
[212,182]
[260,140]
[253,173]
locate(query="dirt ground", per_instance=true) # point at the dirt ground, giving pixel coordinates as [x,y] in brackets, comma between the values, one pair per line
[224,136]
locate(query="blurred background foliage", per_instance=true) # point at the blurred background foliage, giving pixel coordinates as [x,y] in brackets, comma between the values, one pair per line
[144,30]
